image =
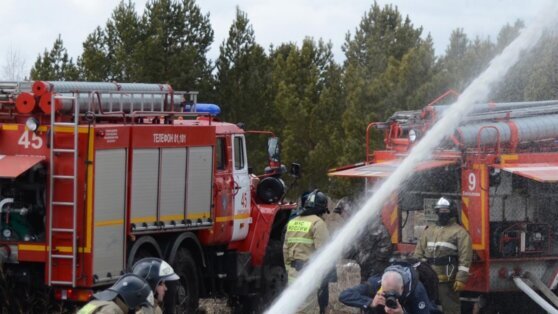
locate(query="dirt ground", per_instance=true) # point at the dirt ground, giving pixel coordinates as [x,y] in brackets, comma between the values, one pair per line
[348,275]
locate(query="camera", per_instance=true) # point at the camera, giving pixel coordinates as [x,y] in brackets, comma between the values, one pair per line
[391,299]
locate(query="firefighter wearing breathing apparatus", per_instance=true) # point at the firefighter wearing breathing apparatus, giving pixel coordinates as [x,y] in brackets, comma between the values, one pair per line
[447,247]
[305,234]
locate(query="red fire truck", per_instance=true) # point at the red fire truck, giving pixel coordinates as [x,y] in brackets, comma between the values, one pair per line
[501,164]
[94,176]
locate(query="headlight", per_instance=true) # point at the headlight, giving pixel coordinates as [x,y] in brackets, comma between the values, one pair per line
[7,233]
[413,135]
[32,124]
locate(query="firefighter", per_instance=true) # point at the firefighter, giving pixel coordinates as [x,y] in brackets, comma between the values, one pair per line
[129,294]
[323,291]
[156,272]
[374,249]
[447,247]
[300,208]
[305,234]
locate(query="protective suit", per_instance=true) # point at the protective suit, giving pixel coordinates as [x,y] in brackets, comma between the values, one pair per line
[104,307]
[129,292]
[305,235]
[156,272]
[373,249]
[447,248]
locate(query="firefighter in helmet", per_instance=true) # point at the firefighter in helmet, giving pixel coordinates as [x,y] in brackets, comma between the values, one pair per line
[447,248]
[374,249]
[156,272]
[129,294]
[305,234]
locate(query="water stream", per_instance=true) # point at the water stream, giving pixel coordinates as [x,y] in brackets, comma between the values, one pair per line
[478,91]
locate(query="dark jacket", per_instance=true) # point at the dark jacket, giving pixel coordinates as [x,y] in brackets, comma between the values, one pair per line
[373,250]
[415,301]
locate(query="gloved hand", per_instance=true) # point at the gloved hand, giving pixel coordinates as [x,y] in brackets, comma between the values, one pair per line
[458,286]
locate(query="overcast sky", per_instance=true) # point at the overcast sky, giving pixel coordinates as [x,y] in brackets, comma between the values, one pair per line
[31,26]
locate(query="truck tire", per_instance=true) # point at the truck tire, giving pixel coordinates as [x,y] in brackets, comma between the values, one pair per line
[186,290]
[145,246]
[274,281]
[274,253]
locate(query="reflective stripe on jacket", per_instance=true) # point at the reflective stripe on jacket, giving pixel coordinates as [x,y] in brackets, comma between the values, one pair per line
[101,307]
[439,242]
[305,234]
[149,310]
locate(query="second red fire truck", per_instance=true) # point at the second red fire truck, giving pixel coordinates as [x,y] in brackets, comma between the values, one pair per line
[501,165]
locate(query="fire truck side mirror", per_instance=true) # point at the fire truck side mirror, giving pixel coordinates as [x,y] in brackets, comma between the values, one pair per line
[295,170]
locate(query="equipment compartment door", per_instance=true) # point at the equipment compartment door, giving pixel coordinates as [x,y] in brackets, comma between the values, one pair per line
[241,189]
[110,200]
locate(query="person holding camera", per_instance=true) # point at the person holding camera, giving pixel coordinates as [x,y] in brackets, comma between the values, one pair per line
[396,291]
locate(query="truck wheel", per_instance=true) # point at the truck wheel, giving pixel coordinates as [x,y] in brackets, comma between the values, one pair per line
[247,305]
[274,253]
[186,290]
[274,282]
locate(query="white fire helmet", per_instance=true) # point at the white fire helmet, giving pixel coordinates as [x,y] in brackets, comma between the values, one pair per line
[443,203]
[166,272]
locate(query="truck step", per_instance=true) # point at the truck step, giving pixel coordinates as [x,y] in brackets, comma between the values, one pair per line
[63,203]
[59,176]
[62,256]
[63,150]
[62,230]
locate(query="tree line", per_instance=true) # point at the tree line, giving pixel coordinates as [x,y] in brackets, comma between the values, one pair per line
[318,107]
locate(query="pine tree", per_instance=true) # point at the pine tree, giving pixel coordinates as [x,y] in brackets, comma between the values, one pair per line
[541,80]
[242,73]
[508,33]
[382,39]
[176,37]
[93,62]
[308,97]
[110,54]
[513,86]
[463,62]
[417,72]
[405,82]
[55,65]
[242,85]
[122,38]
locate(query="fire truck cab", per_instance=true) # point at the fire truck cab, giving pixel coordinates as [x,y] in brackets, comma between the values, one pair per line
[501,168]
[95,176]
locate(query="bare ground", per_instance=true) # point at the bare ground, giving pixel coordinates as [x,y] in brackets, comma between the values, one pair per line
[348,275]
